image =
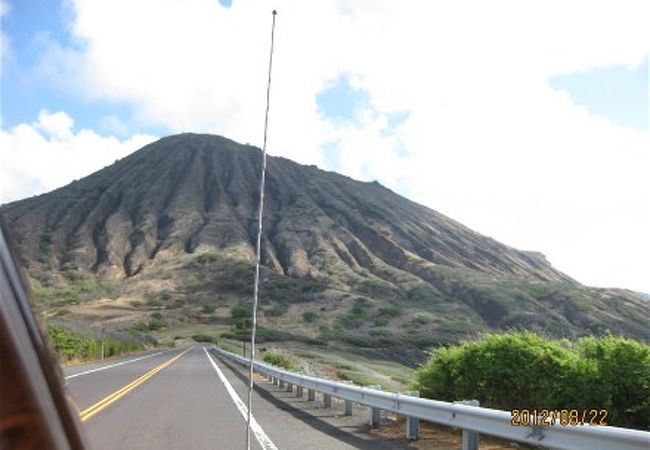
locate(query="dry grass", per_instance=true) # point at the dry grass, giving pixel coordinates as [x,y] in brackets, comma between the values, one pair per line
[437,437]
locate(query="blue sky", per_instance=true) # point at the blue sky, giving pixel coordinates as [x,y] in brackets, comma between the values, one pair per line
[618,93]
[31,25]
[27,24]
[374,90]
[341,102]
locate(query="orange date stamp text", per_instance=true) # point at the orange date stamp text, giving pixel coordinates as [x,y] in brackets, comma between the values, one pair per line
[564,417]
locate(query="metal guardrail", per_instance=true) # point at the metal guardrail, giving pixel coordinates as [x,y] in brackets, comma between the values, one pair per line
[468,418]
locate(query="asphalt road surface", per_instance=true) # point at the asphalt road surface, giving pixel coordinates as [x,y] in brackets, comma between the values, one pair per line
[189,399]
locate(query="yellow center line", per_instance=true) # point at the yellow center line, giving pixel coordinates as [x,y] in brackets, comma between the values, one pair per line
[109,399]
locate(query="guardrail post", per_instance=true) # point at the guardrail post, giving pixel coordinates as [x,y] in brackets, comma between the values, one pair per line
[470,438]
[348,403]
[289,387]
[282,384]
[311,395]
[412,423]
[375,416]
[327,401]
[298,391]
[375,413]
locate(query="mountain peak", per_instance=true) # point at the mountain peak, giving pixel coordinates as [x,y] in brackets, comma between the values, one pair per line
[197,193]
[191,191]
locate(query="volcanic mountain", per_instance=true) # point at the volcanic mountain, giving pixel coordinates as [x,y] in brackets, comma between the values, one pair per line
[174,224]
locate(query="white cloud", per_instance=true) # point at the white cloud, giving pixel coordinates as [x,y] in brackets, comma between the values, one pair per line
[45,155]
[487,141]
[58,125]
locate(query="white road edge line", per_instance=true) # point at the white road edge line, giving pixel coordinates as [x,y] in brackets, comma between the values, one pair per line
[260,435]
[74,375]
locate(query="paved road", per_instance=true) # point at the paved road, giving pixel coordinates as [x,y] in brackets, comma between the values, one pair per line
[189,399]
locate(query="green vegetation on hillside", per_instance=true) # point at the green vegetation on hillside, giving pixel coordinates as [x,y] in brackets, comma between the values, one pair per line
[221,272]
[278,359]
[204,338]
[526,370]
[69,346]
[73,287]
[155,242]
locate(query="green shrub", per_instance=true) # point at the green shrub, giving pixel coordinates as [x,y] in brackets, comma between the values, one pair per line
[154,303]
[194,285]
[68,345]
[278,359]
[616,376]
[242,317]
[358,378]
[525,370]
[208,309]
[156,324]
[203,338]
[381,322]
[380,332]
[240,312]
[390,312]
[167,343]
[352,321]
[207,258]
[417,321]
[287,288]
[361,303]
[114,347]
[309,316]
[73,346]
[140,326]
[276,310]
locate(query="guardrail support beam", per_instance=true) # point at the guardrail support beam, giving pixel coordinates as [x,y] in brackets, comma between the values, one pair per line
[470,440]
[412,423]
[348,408]
[311,395]
[375,416]
[298,391]
[289,387]
[413,428]
[327,401]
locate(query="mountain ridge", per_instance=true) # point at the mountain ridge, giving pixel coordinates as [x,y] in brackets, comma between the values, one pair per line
[529,259]
[192,194]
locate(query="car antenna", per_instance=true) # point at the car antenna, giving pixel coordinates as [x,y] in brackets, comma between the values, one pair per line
[259,244]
